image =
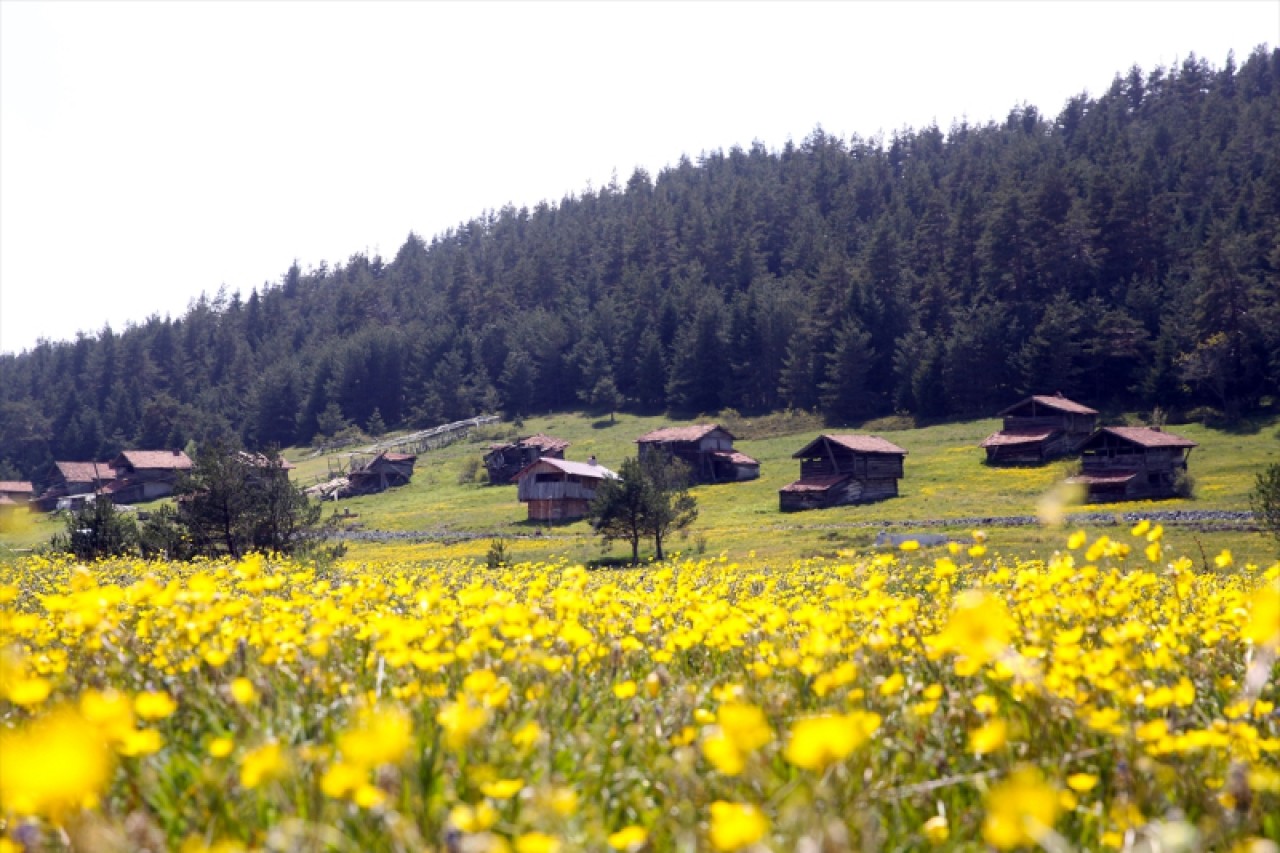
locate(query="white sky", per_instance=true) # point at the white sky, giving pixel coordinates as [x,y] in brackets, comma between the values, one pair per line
[151,151]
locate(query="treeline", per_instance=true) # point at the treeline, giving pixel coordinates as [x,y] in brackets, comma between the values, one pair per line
[1124,252]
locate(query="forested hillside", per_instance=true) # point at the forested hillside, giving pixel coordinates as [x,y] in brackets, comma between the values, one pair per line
[1125,253]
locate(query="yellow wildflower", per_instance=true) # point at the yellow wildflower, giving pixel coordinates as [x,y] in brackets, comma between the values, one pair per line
[816,742]
[263,764]
[1020,810]
[154,705]
[988,737]
[629,838]
[736,825]
[53,766]
[243,691]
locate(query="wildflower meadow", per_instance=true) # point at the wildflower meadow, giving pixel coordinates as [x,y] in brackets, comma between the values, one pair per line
[1112,696]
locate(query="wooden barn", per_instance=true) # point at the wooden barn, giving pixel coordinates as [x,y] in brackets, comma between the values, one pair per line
[559,490]
[69,479]
[384,471]
[706,448]
[1038,429]
[1132,463]
[146,475]
[844,469]
[504,461]
[19,492]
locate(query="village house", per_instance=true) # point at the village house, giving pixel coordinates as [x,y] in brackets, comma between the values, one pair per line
[504,461]
[384,471]
[1132,463]
[19,492]
[1038,429]
[73,479]
[844,469]
[706,448]
[559,490]
[146,475]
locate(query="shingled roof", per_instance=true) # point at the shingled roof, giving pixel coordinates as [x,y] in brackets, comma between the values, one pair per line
[165,460]
[1146,437]
[684,433]
[1056,401]
[85,472]
[1018,436]
[581,469]
[856,443]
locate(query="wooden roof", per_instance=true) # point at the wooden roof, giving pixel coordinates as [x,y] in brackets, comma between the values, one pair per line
[816,483]
[856,443]
[16,487]
[1142,436]
[166,460]
[1018,436]
[1056,402]
[84,472]
[684,433]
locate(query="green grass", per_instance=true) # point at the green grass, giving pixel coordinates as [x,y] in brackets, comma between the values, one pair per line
[945,479]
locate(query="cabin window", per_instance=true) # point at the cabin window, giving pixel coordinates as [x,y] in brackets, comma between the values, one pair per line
[545,477]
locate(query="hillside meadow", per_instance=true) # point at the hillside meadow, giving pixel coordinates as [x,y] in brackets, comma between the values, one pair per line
[945,479]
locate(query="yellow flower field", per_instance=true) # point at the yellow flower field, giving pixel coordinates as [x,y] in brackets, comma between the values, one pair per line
[1109,698]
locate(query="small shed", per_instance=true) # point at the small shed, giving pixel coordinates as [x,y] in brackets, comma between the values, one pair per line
[1038,429]
[73,478]
[504,461]
[146,475]
[19,492]
[706,448]
[844,469]
[1132,463]
[384,471]
[560,490]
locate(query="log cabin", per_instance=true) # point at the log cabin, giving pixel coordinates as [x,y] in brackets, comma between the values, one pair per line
[1133,463]
[560,490]
[1038,429]
[504,461]
[706,448]
[146,475]
[844,469]
[73,479]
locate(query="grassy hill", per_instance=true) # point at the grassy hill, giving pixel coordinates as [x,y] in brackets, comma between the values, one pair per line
[945,479]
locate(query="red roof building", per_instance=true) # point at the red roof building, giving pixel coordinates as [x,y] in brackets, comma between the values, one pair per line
[1133,463]
[706,448]
[844,469]
[1038,429]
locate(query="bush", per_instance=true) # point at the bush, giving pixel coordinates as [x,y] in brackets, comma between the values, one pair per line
[96,529]
[470,470]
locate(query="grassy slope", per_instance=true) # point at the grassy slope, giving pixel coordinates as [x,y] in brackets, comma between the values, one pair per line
[945,478]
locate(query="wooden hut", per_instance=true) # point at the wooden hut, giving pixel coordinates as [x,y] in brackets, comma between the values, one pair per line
[1132,463]
[844,469]
[560,490]
[71,479]
[384,471]
[146,475]
[19,492]
[504,461]
[706,448]
[1038,429]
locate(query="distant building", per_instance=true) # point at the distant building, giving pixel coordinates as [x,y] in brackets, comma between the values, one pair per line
[19,492]
[384,471]
[261,467]
[1132,463]
[844,469]
[559,490]
[1038,429]
[146,475]
[706,448]
[69,479]
[504,461]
